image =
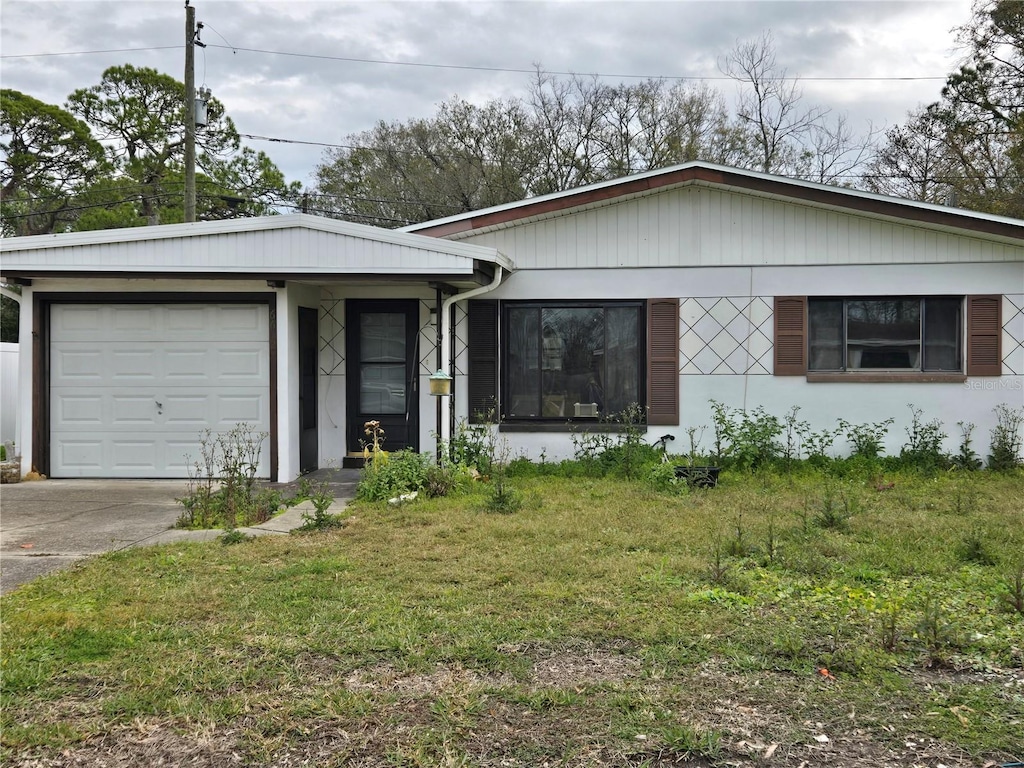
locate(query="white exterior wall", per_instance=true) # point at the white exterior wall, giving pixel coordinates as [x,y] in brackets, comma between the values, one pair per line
[699,226]
[745,384]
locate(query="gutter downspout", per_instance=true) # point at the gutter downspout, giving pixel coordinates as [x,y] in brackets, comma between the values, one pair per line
[446,361]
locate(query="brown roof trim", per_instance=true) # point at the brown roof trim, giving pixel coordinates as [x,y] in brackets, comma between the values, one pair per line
[718,177]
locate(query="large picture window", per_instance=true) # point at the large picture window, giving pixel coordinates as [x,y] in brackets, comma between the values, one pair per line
[890,334]
[572,359]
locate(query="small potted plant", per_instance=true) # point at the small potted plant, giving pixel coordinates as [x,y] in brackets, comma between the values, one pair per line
[696,475]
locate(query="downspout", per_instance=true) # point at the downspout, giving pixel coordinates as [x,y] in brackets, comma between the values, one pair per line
[446,358]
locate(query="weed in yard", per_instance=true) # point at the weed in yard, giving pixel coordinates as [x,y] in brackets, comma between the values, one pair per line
[319,493]
[923,449]
[974,548]
[866,439]
[745,439]
[771,540]
[966,457]
[1013,585]
[233,536]
[737,545]
[837,505]
[1007,440]
[889,615]
[719,570]
[502,497]
[935,629]
[222,490]
[689,741]
[964,495]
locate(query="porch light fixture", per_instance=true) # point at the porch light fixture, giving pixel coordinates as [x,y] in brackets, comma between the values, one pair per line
[440,384]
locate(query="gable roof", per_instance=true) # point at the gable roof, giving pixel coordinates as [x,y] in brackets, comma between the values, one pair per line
[289,246]
[722,177]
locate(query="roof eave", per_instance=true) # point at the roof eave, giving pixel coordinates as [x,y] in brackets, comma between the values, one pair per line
[561,203]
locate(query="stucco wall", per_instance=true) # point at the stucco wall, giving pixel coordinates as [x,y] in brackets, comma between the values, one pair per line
[742,298]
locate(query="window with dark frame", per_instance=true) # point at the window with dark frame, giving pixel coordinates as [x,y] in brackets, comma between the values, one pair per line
[885,334]
[572,360]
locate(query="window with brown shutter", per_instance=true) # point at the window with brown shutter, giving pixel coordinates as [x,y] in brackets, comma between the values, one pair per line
[790,343]
[663,361]
[482,349]
[984,332]
[578,360]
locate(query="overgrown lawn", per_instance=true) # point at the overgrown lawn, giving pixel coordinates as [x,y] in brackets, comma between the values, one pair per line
[603,624]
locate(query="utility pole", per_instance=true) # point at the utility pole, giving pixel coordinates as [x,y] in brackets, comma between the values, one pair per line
[190,113]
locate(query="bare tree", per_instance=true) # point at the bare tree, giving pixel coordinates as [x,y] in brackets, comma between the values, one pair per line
[770,106]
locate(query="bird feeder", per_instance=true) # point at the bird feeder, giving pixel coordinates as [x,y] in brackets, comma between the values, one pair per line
[440,384]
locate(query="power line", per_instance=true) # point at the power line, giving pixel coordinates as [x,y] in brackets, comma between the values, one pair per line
[515,70]
[474,68]
[85,53]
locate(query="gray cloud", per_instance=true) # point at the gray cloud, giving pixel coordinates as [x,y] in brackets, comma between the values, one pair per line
[322,100]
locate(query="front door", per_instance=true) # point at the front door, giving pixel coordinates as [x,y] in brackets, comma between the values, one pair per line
[381,371]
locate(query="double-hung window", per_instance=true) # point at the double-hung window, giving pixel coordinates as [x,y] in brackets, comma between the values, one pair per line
[564,360]
[885,334]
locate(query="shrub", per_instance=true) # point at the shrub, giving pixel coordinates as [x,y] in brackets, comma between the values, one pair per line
[446,479]
[631,453]
[396,473]
[866,438]
[923,449]
[1005,450]
[502,497]
[473,446]
[322,497]
[222,490]
[966,458]
[745,439]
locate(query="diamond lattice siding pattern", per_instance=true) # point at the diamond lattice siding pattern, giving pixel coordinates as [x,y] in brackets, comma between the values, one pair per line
[332,337]
[1013,334]
[726,335]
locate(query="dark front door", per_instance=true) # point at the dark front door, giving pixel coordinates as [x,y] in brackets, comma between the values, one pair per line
[381,371]
[308,344]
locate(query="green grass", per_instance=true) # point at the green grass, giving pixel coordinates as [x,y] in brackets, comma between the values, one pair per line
[605,624]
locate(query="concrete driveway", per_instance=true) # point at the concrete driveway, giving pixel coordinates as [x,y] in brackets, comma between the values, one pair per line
[53,523]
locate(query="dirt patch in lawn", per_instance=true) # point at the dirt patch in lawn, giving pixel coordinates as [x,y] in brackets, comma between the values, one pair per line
[575,706]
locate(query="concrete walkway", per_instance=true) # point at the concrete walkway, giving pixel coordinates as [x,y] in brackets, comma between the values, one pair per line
[52,524]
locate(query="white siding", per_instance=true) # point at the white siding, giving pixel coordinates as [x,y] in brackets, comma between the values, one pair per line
[288,250]
[698,226]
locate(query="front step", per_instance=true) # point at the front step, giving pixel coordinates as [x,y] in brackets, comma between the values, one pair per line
[353,460]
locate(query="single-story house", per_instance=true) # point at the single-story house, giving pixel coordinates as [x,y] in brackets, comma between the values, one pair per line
[668,289]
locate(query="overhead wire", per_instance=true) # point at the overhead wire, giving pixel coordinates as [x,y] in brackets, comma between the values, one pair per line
[478,68]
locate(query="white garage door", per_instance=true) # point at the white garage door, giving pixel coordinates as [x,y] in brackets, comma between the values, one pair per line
[133,386]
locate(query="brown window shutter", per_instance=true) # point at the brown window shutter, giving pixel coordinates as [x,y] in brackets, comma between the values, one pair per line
[984,332]
[482,347]
[663,361]
[790,335]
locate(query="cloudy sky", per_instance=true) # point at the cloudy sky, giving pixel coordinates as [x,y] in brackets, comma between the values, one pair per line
[319,71]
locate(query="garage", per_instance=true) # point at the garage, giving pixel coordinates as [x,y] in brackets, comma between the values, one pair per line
[133,386]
